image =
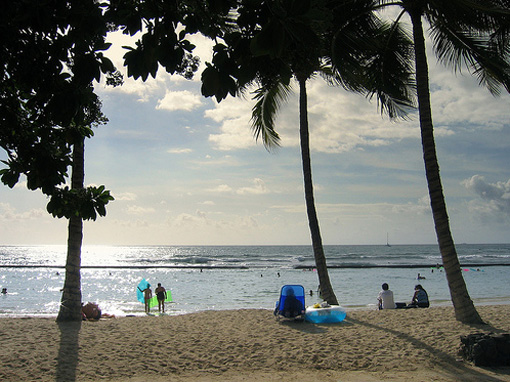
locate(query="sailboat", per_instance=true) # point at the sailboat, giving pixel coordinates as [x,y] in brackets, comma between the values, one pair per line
[387,242]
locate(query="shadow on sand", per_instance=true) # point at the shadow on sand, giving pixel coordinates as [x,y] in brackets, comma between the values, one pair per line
[68,351]
[450,365]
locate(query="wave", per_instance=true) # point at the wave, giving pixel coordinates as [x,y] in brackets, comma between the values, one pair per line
[253,256]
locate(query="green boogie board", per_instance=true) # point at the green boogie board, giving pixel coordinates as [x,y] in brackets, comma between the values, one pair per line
[154,299]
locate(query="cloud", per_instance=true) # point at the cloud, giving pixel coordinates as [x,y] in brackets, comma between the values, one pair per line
[362,210]
[258,188]
[347,121]
[139,210]
[179,100]
[179,151]
[233,115]
[211,226]
[190,220]
[495,197]
[9,213]
[125,196]
[344,122]
[222,188]
[146,90]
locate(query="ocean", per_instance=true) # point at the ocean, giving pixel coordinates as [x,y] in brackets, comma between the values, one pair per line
[234,277]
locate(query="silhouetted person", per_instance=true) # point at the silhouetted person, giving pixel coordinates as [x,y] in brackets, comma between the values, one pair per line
[420,297]
[292,307]
[161,295]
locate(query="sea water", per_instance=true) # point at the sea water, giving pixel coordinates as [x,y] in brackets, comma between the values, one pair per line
[234,277]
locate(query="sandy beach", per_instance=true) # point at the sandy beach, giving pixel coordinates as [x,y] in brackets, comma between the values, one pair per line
[248,345]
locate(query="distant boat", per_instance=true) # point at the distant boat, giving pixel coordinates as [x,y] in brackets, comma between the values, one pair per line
[387,242]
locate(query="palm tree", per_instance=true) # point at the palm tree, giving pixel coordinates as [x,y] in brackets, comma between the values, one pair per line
[294,41]
[473,33]
[70,306]
[77,204]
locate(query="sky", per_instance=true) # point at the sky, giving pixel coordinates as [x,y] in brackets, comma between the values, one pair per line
[186,170]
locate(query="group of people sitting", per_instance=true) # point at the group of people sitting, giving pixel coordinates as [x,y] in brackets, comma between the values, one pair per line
[386,301]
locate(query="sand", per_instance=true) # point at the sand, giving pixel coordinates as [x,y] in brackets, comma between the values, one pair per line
[247,345]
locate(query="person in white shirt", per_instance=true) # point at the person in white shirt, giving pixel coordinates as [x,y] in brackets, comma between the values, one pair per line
[385,298]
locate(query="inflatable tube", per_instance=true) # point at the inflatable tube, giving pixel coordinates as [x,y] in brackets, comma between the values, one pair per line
[142,285]
[154,300]
[332,314]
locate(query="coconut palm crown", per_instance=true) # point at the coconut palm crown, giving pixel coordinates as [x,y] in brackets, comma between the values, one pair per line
[276,41]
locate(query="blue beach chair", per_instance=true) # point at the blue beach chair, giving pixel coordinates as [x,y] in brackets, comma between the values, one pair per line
[291,304]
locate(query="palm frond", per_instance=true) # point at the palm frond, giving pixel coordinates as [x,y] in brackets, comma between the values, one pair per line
[486,55]
[350,40]
[269,98]
[389,73]
[373,58]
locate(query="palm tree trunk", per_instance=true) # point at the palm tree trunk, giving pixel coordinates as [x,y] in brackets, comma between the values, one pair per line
[465,310]
[320,259]
[70,306]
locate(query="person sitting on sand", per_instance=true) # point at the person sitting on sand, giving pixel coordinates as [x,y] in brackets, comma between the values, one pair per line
[161,294]
[147,294]
[385,298]
[91,311]
[292,307]
[420,298]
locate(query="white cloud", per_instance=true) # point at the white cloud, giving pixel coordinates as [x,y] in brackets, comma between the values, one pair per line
[223,161]
[342,121]
[495,197]
[179,100]
[235,135]
[145,90]
[233,115]
[259,187]
[9,213]
[180,151]
[125,196]
[139,210]
[358,210]
[222,188]
[185,219]
[459,98]
[339,122]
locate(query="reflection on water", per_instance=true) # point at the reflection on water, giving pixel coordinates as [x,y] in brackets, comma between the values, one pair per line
[193,290]
[37,291]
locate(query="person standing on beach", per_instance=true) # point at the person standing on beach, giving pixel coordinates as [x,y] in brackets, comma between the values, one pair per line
[161,294]
[147,294]
[385,298]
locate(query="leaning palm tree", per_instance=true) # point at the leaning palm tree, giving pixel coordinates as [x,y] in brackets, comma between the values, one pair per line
[288,40]
[471,33]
